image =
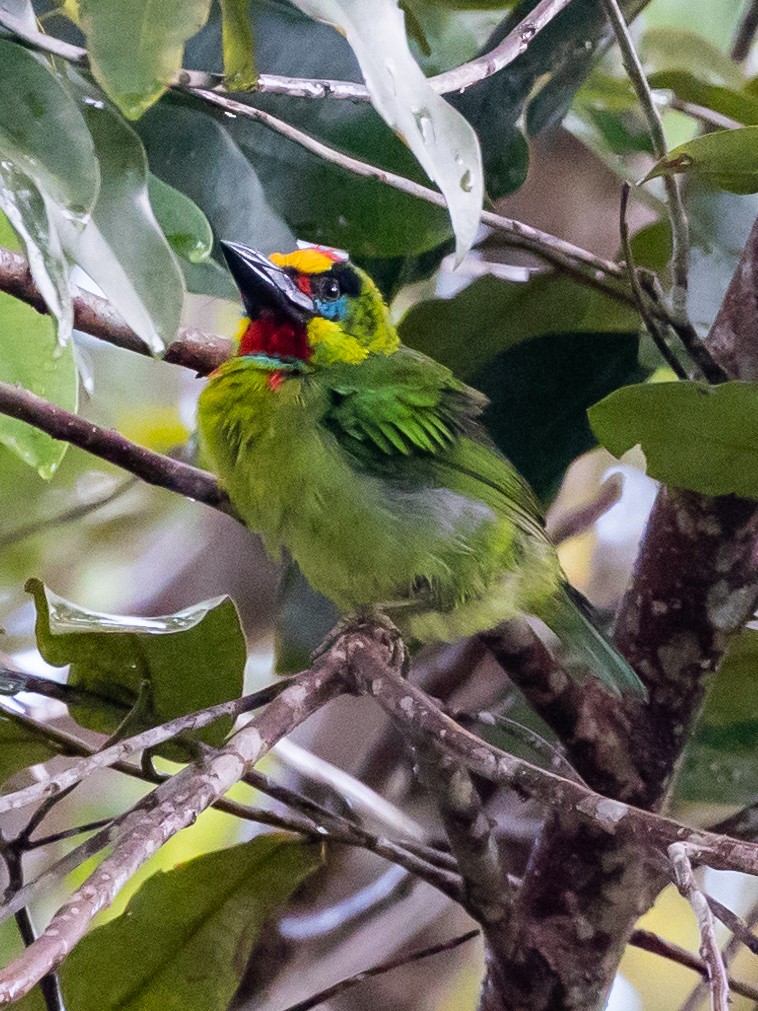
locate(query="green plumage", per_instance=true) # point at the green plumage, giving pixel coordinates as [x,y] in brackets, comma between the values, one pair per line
[379,480]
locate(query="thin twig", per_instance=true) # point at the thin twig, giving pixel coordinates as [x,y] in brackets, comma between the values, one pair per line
[645,940]
[337,989]
[679,226]
[709,948]
[574,522]
[170,808]
[707,116]
[122,750]
[653,326]
[746,30]
[741,930]
[154,468]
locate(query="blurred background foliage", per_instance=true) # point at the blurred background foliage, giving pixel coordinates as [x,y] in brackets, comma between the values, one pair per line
[126,187]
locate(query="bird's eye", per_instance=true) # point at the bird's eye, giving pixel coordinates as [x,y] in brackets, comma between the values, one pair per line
[329,289]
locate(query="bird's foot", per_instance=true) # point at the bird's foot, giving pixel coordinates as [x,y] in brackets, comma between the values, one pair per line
[370,621]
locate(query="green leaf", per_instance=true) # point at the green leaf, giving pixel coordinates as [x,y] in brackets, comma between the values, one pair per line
[675,49]
[444,143]
[189,660]
[183,223]
[238,44]
[43,132]
[695,436]
[185,938]
[192,152]
[29,357]
[719,761]
[20,747]
[491,315]
[726,159]
[136,46]
[690,88]
[122,247]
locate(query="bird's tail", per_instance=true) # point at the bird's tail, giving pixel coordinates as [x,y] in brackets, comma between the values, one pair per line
[569,615]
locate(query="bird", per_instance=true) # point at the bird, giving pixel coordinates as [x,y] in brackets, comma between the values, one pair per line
[367,462]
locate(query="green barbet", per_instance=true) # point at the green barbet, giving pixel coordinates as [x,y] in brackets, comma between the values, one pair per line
[367,462]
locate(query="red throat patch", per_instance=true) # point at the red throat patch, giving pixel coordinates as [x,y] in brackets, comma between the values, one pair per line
[276,337]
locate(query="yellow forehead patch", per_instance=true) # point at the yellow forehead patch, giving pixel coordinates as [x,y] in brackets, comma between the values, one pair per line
[312,260]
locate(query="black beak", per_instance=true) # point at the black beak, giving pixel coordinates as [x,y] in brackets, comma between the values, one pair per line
[263,285]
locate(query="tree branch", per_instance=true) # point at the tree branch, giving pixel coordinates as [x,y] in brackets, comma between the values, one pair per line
[171,807]
[647,941]
[154,468]
[746,30]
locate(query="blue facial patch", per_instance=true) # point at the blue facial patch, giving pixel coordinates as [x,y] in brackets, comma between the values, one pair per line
[335,309]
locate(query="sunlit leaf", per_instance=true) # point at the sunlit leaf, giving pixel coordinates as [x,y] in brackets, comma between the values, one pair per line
[726,159]
[237,40]
[136,46]
[20,747]
[29,357]
[185,938]
[122,247]
[183,223]
[171,665]
[694,436]
[441,139]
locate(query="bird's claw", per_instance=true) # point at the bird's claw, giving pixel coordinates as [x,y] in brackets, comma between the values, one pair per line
[373,623]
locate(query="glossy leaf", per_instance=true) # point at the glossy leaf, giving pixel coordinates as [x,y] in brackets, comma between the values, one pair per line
[166,666]
[181,220]
[43,132]
[184,940]
[191,151]
[29,357]
[719,761]
[122,247]
[738,105]
[726,159]
[136,46]
[238,45]
[20,748]
[704,438]
[32,217]
[445,145]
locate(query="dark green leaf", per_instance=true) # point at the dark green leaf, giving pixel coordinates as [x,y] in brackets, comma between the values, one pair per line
[29,357]
[184,940]
[20,748]
[689,88]
[136,47]
[237,36]
[694,436]
[719,762]
[491,315]
[726,159]
[187,661]
[183,223]
[192,152]
[122,247]
[43,132]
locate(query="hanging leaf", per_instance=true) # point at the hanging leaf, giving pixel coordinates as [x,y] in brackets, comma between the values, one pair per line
[136,46]
[168,666]
[444,143]
[694,436]
[238,45]
[181,220]
[122,247]
[184,940]
[725,159]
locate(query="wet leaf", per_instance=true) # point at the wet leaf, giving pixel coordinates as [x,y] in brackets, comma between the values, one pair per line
[181,220]
[444,143]
[171,665]
[184,940]
[29,357]
[238,45]
[122,247]
[136,47]
[726,159]
[695,436]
